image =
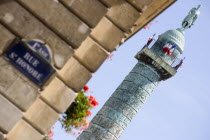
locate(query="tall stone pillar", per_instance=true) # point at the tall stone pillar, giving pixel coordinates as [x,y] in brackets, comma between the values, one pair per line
[123,105]
[156,62]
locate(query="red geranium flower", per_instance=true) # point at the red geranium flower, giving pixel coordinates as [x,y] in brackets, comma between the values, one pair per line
[50,133]
[91,98]
[94,103]
[88,113]
[86,88]
[91,105]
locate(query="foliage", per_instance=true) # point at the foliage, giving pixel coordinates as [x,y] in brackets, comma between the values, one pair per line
[49,135]
[76,115]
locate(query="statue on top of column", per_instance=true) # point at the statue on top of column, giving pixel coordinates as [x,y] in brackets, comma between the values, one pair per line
[190,19]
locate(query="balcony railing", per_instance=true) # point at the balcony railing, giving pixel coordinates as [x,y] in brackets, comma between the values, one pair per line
[175,59]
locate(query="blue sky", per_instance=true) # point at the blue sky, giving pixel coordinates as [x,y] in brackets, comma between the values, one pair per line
[179,109]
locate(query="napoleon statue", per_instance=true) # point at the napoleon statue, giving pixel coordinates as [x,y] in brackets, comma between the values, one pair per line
[190,19]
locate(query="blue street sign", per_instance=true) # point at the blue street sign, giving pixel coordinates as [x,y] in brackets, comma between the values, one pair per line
[30,63]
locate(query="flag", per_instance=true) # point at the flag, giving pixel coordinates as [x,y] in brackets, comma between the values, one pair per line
[150,39]
[173,47]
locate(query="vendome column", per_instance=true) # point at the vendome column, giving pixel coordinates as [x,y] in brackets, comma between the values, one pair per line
[156,62]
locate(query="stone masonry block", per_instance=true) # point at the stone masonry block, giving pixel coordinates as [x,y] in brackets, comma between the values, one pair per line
[130,99]
[141,5]
[24,131]
[91,55]
[61,20]
[6,38]
[154,76]
[116,116]
[141,81]
[108,124]
[15,88]
[121,107]
[1,136]
[9,115]
[107,34]
[8,75]
[58,95]
[74,75]
[100,132]
[22,94]
[124,15]
[91,11]
[41,116]
[111,3]
[33,29]
[87,135]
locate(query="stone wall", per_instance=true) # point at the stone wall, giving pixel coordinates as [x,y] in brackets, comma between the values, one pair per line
[80,33]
